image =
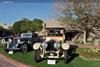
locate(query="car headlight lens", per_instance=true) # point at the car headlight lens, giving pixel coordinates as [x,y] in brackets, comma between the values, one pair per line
[44,45]
[9,40]
[18,40]
[56,45]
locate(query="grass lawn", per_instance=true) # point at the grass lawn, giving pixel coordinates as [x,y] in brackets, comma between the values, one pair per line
[27,58]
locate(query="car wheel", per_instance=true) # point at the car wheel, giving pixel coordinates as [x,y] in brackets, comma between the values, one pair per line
[65,56]
[37,56]
[24,48]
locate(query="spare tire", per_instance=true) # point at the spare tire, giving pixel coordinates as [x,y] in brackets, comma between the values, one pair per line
[3,41]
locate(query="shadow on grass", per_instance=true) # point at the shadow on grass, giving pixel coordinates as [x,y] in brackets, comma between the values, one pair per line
[72,57]
[72,53]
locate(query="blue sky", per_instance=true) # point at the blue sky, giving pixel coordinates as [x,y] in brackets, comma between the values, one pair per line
[28,0]
[11,12]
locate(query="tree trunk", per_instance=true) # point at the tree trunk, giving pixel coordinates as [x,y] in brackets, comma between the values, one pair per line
[84,37]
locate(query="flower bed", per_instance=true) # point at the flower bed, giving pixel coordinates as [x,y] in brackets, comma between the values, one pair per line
[89,53]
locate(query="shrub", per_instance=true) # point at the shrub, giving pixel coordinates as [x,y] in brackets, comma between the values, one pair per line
[1,45]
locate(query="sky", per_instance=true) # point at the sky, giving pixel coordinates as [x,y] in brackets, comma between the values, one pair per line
[10,11]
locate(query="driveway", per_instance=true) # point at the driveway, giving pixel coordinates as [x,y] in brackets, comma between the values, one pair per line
[8,62]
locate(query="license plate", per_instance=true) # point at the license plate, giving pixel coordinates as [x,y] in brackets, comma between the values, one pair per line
[10,52]
[51,61]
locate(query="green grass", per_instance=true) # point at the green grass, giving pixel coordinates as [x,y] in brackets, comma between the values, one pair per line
[28,59]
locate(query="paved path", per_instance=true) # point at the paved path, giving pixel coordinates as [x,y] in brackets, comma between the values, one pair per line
[7,62]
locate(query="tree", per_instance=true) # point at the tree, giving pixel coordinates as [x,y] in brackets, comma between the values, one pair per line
[83,14]
[1,27]
[26,25]
[22,25]
[16,27]
[37,24]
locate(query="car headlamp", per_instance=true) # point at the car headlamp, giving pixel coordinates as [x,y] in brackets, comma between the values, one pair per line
[18,40]
[9,40]
[29,41]
[44,45]
[56,45]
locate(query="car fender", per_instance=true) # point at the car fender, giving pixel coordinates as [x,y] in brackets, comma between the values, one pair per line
[36,46]
[65,46]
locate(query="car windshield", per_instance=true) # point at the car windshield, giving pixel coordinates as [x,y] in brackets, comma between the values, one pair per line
[26,35]
[53,34]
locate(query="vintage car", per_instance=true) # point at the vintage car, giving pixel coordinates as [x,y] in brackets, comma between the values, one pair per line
[22,43]
[53,47]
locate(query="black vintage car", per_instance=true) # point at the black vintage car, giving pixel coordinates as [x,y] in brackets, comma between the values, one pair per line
[23,43]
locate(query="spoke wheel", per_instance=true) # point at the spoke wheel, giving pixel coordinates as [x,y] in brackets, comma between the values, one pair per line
[24,48]
[37,55]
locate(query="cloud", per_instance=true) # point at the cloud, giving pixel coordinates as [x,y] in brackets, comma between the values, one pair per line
[7,1]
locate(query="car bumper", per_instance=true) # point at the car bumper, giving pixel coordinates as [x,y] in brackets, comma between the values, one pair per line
[12,49]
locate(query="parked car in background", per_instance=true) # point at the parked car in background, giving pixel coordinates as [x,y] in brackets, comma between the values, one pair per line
[4,33]
[22,43]
[5,39]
